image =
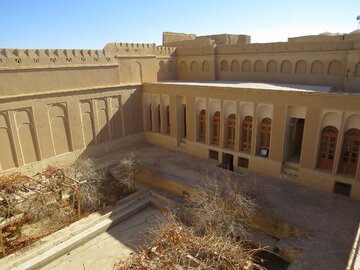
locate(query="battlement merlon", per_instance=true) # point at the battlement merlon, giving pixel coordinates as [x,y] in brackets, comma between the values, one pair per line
[138,49]
[52,57]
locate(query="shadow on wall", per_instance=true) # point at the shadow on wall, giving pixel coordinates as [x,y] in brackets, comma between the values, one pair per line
[93,123]
[114,118]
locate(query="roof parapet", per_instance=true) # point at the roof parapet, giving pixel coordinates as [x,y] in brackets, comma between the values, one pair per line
[46,57]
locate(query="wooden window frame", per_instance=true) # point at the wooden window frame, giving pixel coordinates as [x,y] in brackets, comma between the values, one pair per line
[231,124]
[216,128]
[202,126]
[246,133]
[350,152]
[328,140]
[265,135]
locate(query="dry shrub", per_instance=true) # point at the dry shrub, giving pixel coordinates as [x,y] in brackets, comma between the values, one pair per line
[49,187]
[176,246]
[87,185]
[13,182]
[215,238]
[221,208]
[7,205]
[9,187]
[127,168]
[48,200]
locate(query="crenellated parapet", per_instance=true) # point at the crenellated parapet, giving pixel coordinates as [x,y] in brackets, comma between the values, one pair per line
[284,47]
[138,50]
[165,51]
[17,58]
[130,49]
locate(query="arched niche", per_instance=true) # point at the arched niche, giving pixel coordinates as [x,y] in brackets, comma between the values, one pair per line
[27,136]
[317,67]
[300,67]
[259,66]
[60,130]
[285,66]
[335,68]
[271,66]
[7,156]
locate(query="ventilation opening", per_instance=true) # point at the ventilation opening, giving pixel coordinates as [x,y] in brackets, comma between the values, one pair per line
[243,162]
[213,154]
[342,188]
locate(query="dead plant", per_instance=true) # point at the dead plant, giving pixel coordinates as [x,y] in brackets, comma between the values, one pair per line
[215,239]
[176,246]
[127,168]
[87,184]
[221,208]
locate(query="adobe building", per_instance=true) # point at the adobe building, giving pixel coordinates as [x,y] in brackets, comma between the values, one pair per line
[287,109]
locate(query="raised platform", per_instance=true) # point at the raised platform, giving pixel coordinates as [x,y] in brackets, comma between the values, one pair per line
[257,85]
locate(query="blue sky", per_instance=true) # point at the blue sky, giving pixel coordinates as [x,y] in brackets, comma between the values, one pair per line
[91,24]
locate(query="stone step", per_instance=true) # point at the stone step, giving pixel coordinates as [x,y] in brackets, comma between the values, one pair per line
[291,165]
[59,243]
[290,172]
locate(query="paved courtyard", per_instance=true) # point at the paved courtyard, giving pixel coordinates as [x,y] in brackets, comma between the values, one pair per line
[108,248]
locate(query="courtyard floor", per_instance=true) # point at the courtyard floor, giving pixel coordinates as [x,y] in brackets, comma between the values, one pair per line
[332,220]
[105,250]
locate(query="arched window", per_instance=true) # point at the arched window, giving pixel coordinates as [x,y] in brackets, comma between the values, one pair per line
[150,118]
[350,152]
[265,132]
[231,130]
[202,126]
[168,119]
[159,118]
[216,128]
[246,134]
[224,66]
[327,147]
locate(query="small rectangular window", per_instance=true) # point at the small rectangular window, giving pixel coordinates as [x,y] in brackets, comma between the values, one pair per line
[342,188]
[213,154]
[264,152]
[243,162]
